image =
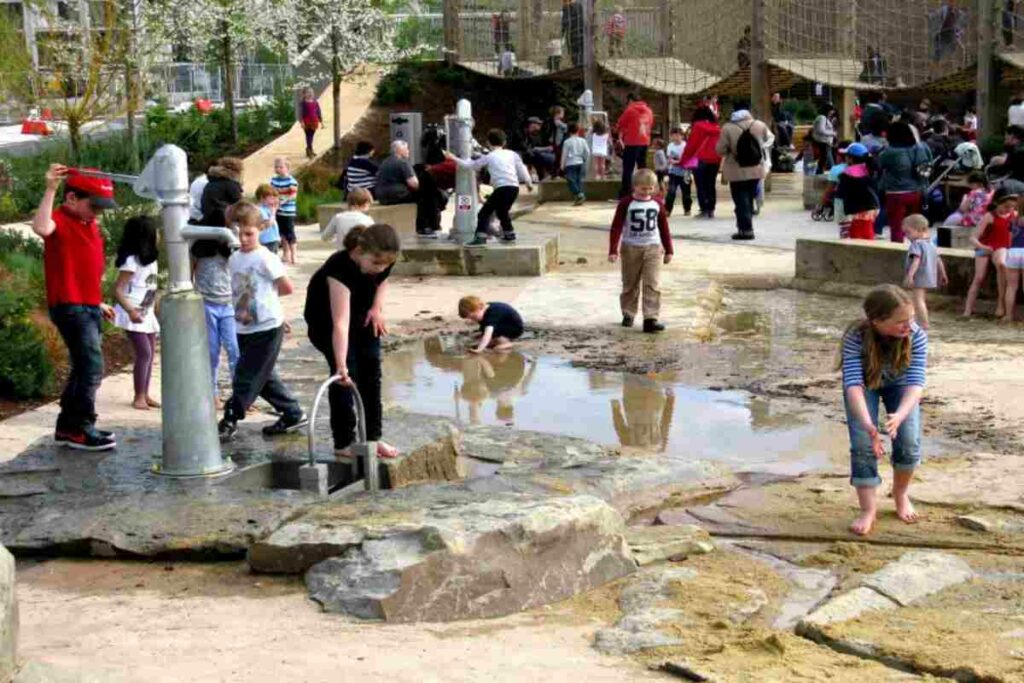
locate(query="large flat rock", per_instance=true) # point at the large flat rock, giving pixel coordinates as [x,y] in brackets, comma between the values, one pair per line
[8,617]
[483,558]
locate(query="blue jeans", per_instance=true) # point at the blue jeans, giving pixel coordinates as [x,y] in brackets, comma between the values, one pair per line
[574,176]
[81,329]
[220,331]
[906,447]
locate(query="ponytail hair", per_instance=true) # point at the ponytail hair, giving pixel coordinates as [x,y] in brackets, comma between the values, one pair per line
[880,353]
[376,239]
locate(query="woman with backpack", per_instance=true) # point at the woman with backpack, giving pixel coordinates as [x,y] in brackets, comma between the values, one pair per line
[741,146]
[903,167]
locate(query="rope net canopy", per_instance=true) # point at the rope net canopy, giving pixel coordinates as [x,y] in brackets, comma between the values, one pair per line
[691,47]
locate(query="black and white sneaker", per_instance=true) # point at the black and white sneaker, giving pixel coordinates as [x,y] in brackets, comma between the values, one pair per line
[84,440]
[508,238]
[285,425]
[478,241]
[426,235]
[226,429]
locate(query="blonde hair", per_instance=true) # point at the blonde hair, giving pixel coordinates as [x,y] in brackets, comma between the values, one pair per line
[469,304]
[246,214]
[233,164]
[265,190]
[360,197]
[376,239]
[915,222]
[878,351]
[644,176]
[282,161]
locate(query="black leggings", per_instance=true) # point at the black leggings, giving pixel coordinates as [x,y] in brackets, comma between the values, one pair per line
[500,202]
[678,182]
[364,369]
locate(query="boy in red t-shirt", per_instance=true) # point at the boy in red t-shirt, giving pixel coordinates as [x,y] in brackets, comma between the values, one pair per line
[73,262]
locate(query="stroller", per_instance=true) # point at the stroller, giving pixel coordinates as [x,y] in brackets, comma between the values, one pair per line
[966,157]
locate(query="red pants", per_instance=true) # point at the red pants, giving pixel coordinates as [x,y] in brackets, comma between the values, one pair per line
[862,229]
[899,205]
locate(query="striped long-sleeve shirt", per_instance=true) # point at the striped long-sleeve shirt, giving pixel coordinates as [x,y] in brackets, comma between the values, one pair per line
[287,189]
[914,375]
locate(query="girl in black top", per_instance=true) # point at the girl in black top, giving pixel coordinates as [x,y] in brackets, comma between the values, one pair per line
[345,321]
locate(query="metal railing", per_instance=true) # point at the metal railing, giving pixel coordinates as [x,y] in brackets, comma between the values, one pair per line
[186,81]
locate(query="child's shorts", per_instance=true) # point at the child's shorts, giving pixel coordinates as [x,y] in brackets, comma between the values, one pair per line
[1015,258]
[286,226]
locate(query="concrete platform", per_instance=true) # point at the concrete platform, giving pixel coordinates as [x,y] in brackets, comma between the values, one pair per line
[402,217]
[874,263]
[955,236]
[531,255]
[557,190]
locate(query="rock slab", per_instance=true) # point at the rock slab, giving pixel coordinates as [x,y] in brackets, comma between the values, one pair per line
[8,617]
[477,559]
[651,544]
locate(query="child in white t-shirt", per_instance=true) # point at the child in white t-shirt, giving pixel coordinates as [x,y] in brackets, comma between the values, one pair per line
[359,201]
[135,293]
[257,282]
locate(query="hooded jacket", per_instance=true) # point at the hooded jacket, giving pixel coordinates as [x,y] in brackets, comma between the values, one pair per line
[701,143]
[223,190]
[740,121]
[635,124]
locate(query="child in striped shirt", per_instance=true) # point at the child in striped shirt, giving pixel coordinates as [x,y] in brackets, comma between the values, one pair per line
[287,191]
[884,359]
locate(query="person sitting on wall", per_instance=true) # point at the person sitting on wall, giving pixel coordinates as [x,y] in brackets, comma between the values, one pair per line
[533,149]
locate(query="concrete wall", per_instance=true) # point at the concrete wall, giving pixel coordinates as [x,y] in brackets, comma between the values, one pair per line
[873,263]
[8,617]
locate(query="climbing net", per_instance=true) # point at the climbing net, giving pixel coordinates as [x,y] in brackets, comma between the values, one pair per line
[698,47]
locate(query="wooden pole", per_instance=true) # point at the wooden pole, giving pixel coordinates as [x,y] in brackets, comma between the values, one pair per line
[451,31]
[591,70]
[989,118]
[760,104]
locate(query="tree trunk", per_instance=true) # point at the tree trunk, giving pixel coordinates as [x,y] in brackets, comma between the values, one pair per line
[131,98]
[75,137]
[336,87]
[229,84]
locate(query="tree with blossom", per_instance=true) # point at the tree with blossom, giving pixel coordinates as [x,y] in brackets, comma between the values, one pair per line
[345,34]
[223,30]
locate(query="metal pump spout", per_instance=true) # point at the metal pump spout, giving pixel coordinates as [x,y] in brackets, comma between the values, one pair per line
[191,233]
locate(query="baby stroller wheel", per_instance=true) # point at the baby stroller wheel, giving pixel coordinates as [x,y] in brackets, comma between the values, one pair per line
[828,214]
[817,215]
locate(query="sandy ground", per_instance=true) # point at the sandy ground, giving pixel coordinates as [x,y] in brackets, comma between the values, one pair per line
[145,621]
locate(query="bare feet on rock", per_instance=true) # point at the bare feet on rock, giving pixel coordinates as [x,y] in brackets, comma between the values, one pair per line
[140,403]
[905,509]
[863,525]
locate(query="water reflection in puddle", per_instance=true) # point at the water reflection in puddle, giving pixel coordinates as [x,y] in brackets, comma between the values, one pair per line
[546,394]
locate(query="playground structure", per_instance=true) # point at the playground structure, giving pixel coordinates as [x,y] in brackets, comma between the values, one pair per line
[746,48]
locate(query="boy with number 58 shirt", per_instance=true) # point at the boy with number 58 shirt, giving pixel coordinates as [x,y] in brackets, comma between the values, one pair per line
[641,225]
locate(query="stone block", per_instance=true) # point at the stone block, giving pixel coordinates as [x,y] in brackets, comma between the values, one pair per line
[402,217]
[847,606]
[8,617]
[651,544]
[873,263]
[299,545]
[954,236]
[477,559]
[531,255]
[557,190]
[918,574]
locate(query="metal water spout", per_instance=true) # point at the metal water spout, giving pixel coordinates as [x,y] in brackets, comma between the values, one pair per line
[460,143]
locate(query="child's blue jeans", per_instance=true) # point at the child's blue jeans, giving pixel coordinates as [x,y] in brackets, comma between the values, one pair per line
[220,331]
[906,447]
[574,176]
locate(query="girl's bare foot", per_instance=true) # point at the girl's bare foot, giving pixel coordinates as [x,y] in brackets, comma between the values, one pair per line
[905,509]
[1000,313]
[152,402]
[217,403]
[1005,320]
[386,450]
[140,403]
[862,525]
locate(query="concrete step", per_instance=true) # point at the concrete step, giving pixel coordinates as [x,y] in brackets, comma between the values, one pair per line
[531,255]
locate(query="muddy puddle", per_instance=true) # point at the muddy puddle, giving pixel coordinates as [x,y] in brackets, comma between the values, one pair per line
[649,413]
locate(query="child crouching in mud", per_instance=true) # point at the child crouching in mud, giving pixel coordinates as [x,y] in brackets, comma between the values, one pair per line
[884,358]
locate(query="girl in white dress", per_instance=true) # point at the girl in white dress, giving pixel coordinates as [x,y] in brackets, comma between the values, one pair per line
[135,292]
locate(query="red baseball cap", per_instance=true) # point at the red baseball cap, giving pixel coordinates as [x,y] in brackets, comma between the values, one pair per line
[99,189]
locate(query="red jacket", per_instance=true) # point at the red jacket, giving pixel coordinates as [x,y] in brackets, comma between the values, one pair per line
[635,124]
[701,143]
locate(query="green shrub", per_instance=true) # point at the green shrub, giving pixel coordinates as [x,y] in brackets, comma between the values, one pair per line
[25,369]
[802,111]
[400,85]
[305,206]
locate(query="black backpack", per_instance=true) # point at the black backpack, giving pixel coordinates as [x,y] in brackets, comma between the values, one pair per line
[748,149]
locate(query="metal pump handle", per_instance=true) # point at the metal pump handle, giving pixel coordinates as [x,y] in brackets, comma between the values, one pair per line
[372,478]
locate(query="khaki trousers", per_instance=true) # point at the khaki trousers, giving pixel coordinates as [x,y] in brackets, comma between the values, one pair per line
[641,267]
